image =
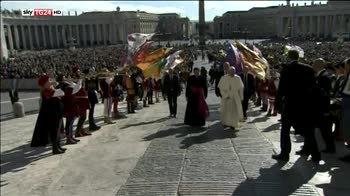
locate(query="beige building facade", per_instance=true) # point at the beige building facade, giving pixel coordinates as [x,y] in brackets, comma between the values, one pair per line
[313,20]
[173,27]
[84,30]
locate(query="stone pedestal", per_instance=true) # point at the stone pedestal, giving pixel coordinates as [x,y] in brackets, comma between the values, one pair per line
[18,109]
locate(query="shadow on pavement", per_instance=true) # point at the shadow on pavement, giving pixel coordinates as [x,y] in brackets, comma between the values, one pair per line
[179,132]
[16,159]
[273,127]
[258,120]
[276,181]
[146,123]
[214,132]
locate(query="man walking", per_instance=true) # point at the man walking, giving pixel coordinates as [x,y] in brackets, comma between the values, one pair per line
[172,90]
[295,96]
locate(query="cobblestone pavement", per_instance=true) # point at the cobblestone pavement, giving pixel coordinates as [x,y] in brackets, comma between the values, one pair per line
[148,153]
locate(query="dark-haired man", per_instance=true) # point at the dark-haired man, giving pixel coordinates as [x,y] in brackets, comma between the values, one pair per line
[295,96]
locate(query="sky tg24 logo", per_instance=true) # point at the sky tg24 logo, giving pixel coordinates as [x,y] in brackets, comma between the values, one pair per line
[42,12]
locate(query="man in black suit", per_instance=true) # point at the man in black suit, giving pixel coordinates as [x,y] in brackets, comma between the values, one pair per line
[295,102]
[323,99]
[172,89]
[249,90]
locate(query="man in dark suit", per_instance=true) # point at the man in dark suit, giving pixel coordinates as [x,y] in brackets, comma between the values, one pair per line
[295,102]
[323,99]
[172,89]
[249,90]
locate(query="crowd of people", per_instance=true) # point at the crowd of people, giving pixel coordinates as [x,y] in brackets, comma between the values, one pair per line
[306,96]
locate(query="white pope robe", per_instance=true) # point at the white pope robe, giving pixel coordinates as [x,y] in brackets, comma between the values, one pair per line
[231,89]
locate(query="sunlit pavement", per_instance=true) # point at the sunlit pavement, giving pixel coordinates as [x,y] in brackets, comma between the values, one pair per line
[148,153]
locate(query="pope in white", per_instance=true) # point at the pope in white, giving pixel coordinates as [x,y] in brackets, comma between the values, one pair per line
[231,89]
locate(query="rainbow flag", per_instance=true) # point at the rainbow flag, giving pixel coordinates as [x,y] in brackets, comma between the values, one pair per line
[256,64]
[152,69]
[156,55]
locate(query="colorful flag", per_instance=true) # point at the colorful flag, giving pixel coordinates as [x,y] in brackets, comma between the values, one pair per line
[141,54]
[255,49]
[174,59]
[156,55]
[256,64]
[152,69]
[233,57]
[136,40]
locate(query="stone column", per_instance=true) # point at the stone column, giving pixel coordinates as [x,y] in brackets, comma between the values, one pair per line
[50,36]
[84,35]
[30,37]
[326,26]
[57,36]
[104,34]
[342,24]
[98,34]
[9,34]
[3,50]
[334,24]
[304,26]
[318,26]
[44,36]
[77,34]
[70,34]
[36,36]
[91,34]
[23,38]
[15,28]
[64,38]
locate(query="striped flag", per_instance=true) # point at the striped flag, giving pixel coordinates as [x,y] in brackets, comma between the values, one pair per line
[174,59]
[255,49]
[136,40]
[256,64]
[152,69]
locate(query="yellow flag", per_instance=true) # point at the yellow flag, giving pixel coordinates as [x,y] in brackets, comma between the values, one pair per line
[256,64]
[156,55]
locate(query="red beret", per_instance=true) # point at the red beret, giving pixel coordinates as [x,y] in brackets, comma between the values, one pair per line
[43,79]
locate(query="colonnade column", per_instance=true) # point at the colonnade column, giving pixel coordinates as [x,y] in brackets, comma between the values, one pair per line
[326,26]
[77,34]
[84,35]
[304,26]
[9,34]
[318,26]
[30,37]
[91,34]
[104,34]
[57,37]
[334,24]
[50,36]
[23,38]
[64,38]
[36,36]
[15,28]
[44,36]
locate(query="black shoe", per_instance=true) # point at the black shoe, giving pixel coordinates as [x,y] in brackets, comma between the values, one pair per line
[302,152]
[174,115]
[94,128]
[170,116]
[57,151]
[280,157]
[62,149]
[329,151]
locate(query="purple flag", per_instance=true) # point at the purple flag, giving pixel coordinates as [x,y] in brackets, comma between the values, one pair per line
[233,57]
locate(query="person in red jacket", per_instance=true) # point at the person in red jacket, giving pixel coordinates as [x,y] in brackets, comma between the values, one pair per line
[82,101]
[49,121]
[71,110]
